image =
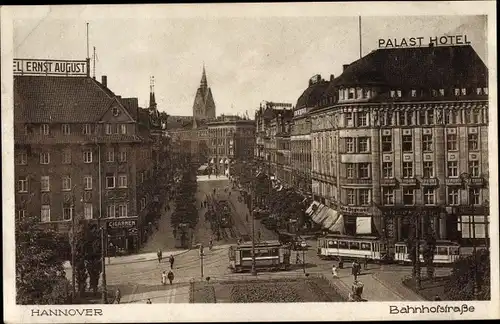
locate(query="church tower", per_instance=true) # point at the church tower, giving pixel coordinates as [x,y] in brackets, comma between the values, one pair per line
[204,105]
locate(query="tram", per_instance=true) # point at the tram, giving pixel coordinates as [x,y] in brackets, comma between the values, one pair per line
[352,248]
[269,255]
[447,252]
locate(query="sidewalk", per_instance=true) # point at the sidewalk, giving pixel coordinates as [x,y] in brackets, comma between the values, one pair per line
[163,238]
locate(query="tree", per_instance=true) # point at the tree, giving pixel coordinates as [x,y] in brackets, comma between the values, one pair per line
[40,275]
[93,255]
[81,276]
[429,246]
[468,272]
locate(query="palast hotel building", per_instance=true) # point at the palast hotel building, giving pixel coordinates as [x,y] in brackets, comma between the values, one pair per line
[81,153]
[404,130]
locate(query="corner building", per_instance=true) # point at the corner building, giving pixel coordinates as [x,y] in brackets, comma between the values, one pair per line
[410,126]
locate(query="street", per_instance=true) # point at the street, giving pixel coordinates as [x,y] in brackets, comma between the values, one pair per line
[139,278]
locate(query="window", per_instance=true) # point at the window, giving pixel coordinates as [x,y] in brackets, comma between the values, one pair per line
[413,93]
[21,213]
[44,158]
[111,211]
[45,183]
[421,117]
[122,181]
[44,129]
[407,143]
[393,93]
[122,210]
[22,158]
[111,154]
[453,195]
[351,196]
[428,169]
[473,142]
[464,91]
[399,94]
[387,143]
[87,156]
[457,91]
[451,142]
[66,129]
[362,119]
[407,170]
[430,117]
[66,183]
[351,172]
[452,169]
[143,203]
[66,156]
[349,143]
[474,168]
[87,182]
[474,226]
[434,92]
[45,213]
[67,212]
[409,196]
[363,145]
[387,119]
[110,181]
[402,118]
[387,170]
[109,130]
[351,94]
[348,119]
[364,170]
[115,111]
[364,197]
[485,91]
[388,196]
[427,142]
[88,211]
[123,155]
[22,184]
[441,92]
[87,130]
[123,129]
[429,196]
[475,116]
[474,194]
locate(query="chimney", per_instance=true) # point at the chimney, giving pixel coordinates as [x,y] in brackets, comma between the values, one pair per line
[345,66]
[104,81]
[332,77]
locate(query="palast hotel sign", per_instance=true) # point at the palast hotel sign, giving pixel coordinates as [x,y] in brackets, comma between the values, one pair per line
[447,40]
[50,67]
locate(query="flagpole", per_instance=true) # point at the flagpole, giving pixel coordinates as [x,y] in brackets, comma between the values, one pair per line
[360,41]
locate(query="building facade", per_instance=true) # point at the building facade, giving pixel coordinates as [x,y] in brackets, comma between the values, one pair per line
[78,155]
[403,147]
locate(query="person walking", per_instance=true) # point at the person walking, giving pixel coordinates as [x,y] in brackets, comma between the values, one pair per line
[366,262]
[159,254]
[297,258]
[354,270]
[164,278]
[118,295]
[171,260]
[170,276]
[334,271]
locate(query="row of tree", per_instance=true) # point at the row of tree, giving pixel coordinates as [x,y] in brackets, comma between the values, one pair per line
[185,200]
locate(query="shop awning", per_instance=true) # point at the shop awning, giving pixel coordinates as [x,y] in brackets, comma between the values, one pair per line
[203,168]
[363,225]
[312,208]
[338,225]
[320,216]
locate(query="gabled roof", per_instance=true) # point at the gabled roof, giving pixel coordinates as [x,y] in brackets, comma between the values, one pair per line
[57,99]
[420,67]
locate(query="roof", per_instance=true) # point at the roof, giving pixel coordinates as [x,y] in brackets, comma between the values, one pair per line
[53,99]
[420,67]
[76,139]
[174,122]
[312,95]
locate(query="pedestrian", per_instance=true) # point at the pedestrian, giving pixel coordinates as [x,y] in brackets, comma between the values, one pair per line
[334,271]
[171,260]
[297,258]
[164,278]
[149,301]
[437,298]
[341,263]
[170,276]
[366,262]
[118,295]
[354,271]
[159,254]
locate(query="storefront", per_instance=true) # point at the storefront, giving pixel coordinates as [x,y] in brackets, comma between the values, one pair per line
[472,224]
[358,220]
[123,235]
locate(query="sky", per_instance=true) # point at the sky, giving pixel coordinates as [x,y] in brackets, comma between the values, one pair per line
[247,59]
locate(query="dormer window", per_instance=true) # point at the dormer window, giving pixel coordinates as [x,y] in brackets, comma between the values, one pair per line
[364,94]
[115,111]
[108,129]
[457,92]
[351,93]
[434,92]
[464,91]
[485,91]
[341,94]
[413,93]
[441,92]
[44,129]
[393,93]
[65,129]
[479,91]
[399,93]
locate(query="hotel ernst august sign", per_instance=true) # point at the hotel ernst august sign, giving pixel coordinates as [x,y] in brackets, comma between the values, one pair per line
[41,67]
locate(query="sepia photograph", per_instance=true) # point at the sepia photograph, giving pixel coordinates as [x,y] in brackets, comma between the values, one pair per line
[255,156]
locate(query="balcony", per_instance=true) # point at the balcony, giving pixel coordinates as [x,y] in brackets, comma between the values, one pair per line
[429,182]
[408,181]
[355,181]
[454,182]
[477,182]
[389,182]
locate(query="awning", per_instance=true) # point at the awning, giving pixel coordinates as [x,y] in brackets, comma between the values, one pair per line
[312,208]
[203,168]
[363,225]
[338,225]
[329,219]
[321,215]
